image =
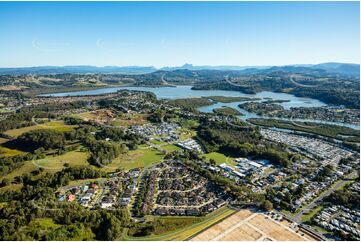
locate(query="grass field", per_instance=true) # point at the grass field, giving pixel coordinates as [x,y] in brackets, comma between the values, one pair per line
[3,140]
[56,125]
[171,147]
[185,133]
[85,115]
[51,164]
[164,224]
[11,187]
[10,152]
[135,159]
[188,231]
[307,217]
[220,158]
[189,124]
[156,142]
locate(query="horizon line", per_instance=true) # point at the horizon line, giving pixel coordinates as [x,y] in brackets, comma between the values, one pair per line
[198,65]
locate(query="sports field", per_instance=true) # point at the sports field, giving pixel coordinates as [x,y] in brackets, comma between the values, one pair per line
[248,225]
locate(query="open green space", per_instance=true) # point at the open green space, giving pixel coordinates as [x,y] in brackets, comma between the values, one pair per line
[11,187]
[135,159]
[187,232]
[220,158]
[320,229]
[189,124]
[166,224]
[171,147]
[10,152]
[308,216]
[187,133]
[51,163]
[56,125]
[3,140]
[156,142]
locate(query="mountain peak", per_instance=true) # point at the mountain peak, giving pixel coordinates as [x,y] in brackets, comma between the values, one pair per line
[187,66]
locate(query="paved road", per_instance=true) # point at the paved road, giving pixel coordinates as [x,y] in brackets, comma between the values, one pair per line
[333,188]
[165,82]
[297,218]
[299,84]
[227,79]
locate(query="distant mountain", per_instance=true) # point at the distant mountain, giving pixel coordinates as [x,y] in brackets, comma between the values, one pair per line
[340,68]
[327,68]
[219,68]
[77,69]
[290,69]
[324,68]
[331,68]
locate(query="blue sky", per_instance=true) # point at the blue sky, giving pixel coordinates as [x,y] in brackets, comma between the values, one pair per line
[174,33]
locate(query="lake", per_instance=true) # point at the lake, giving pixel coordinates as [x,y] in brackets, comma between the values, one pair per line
[187,92]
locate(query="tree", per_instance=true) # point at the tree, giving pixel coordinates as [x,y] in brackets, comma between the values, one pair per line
[42,138]
[5,182]
[267,205]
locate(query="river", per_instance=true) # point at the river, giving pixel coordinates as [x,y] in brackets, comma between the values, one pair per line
[187,92]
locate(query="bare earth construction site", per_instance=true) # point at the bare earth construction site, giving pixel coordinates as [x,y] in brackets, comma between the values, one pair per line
[248,225]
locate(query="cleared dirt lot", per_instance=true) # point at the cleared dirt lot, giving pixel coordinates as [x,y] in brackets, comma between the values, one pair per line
[248,225]
[244,231]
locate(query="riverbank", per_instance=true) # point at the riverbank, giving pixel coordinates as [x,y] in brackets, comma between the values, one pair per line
[228,98]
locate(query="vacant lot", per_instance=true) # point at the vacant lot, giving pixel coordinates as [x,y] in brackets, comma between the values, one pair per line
[130,119]
[248,225]
[107,116]
[135,159]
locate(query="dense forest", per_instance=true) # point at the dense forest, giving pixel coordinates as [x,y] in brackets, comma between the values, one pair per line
[238,141]
[35,202]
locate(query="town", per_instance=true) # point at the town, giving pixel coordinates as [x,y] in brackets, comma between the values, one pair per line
[181,177]
[180,121]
